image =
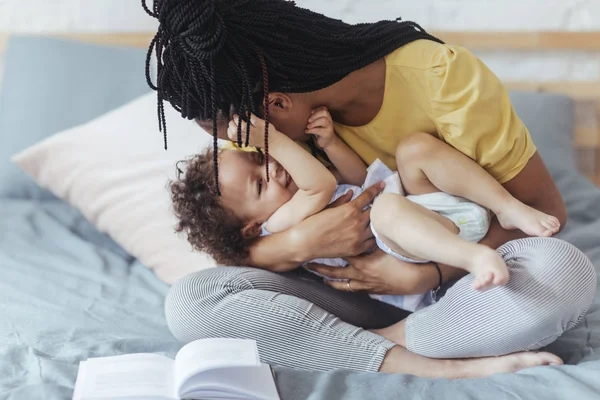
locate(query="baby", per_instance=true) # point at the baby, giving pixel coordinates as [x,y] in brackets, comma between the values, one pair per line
[441,220]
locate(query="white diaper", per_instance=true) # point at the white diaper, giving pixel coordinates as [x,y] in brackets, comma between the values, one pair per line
[472,220]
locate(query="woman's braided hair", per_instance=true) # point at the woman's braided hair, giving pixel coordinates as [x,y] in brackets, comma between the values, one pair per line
[218,57]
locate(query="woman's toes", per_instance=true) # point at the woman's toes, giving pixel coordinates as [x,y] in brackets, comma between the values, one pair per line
[549,359]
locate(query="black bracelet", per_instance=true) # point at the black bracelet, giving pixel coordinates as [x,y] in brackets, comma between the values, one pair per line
[436,290]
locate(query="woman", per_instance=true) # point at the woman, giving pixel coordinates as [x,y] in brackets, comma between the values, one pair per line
[381,82]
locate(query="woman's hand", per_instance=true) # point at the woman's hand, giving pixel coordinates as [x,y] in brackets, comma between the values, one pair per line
[341,230]
[380,273]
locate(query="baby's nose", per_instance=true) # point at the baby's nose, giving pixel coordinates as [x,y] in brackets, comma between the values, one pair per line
[273,170]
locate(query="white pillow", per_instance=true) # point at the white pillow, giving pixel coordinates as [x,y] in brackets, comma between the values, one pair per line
[115,170]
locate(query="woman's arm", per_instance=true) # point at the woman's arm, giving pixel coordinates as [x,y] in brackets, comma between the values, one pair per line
[349,165]
[382,273]
[340,230]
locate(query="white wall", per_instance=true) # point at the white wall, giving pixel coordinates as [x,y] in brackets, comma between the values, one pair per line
[127,15]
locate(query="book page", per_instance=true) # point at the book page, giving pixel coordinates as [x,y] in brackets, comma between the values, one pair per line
[131,375]
[79,382]
[248,383]
[205,354]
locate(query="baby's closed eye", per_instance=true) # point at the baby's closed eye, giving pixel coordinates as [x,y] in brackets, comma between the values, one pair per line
[259,184]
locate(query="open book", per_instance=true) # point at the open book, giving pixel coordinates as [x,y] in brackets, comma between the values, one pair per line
[203,369]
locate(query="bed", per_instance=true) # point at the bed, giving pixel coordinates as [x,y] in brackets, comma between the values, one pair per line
[69,292]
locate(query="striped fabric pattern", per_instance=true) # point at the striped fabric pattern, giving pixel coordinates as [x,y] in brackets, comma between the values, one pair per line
[551,286]
[299,322]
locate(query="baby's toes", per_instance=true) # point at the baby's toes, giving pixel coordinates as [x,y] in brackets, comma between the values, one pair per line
[546,230]
[551,224]
[555,223]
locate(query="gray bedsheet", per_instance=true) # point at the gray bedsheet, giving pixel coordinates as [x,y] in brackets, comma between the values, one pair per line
[68,292]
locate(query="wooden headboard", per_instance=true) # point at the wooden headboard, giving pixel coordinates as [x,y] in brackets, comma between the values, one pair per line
[585,94]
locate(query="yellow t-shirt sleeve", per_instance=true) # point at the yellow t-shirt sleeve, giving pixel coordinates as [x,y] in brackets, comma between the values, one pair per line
[473,113]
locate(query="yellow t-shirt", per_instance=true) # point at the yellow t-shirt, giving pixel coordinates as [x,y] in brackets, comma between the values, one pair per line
[448,92]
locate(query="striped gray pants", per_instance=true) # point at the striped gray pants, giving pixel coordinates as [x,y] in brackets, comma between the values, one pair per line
[300,322]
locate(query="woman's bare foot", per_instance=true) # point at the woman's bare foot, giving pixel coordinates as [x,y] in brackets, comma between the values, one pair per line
[488,267]
[486,366]
[516,215]
[398,360]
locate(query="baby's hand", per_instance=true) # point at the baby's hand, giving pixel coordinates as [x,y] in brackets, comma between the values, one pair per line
[320,125]
[257,131]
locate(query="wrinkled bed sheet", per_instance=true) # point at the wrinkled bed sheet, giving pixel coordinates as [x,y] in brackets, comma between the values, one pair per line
[68,292]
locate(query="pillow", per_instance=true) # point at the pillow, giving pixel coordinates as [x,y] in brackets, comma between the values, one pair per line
[52,84]
[549,118]
[114,169]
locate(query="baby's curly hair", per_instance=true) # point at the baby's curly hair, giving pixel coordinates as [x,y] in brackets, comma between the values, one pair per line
[209,226]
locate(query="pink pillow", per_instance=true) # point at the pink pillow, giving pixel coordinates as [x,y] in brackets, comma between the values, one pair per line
[114,169]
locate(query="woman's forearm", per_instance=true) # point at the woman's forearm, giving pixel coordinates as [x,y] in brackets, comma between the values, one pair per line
[279,252]
[421,278]
[341,230]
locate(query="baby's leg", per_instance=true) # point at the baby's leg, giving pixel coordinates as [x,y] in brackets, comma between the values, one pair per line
[426,164]
[412,230]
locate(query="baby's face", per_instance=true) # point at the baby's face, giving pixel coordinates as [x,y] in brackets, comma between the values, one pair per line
[244,186]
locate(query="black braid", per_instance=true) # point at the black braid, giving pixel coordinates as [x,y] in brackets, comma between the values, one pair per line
[239,130]
[265,77]
[213,88]
[213,55]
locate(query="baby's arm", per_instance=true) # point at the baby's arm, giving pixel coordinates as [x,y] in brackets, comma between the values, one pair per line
[351,168]
[316,184]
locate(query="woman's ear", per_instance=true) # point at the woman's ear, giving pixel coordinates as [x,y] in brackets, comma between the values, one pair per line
[252,229]
[279,102]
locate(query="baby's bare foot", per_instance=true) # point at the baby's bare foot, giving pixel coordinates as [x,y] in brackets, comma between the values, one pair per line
[488,267]
[516,215]
[481,367]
